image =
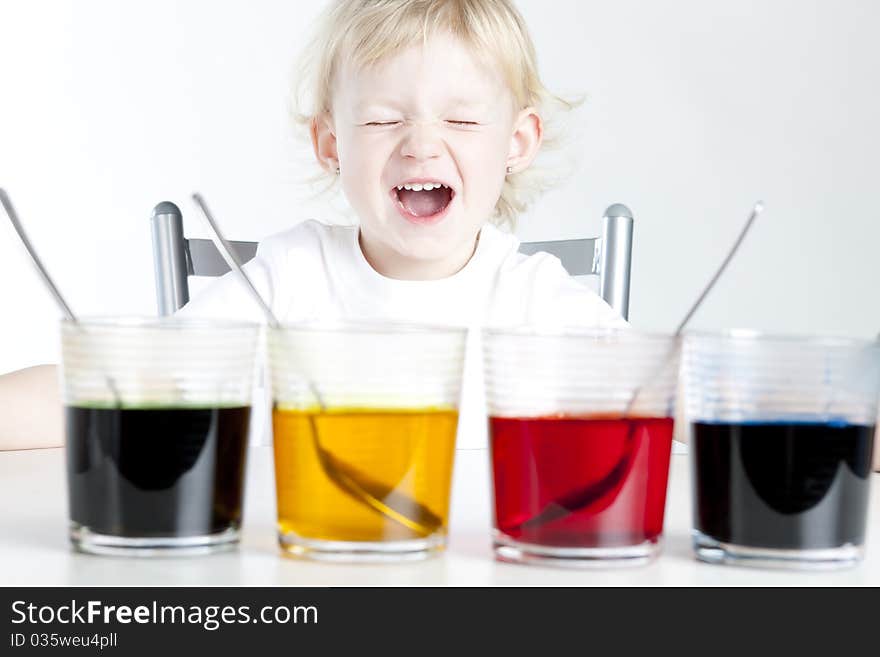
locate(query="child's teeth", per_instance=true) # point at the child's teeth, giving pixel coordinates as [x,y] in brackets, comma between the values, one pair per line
[416,187]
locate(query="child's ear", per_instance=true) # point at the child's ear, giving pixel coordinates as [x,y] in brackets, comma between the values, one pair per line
[528,132]
[324,141]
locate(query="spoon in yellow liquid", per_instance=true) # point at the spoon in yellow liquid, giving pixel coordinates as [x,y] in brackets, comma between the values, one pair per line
[383,499]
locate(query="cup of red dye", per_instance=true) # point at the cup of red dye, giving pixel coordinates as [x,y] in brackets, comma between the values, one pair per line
[580,426]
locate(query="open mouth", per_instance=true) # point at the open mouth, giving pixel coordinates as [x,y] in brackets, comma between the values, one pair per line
[423,201]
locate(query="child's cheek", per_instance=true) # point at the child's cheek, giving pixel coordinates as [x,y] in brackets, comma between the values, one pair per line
[373,146]
[483,156]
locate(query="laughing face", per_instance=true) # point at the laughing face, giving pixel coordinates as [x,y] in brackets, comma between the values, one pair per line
[423,141]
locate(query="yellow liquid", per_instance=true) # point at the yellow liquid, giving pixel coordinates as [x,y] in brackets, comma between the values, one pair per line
[363,475]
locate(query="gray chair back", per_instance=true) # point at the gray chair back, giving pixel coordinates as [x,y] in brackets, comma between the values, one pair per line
[175,257]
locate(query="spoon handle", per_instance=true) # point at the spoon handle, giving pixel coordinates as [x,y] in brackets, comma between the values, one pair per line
[756,210]
[231,260]
[16,224]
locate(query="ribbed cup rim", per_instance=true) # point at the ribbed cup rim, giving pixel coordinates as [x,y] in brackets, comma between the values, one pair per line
[367,327]
[579,332]
[164,323]
[751,335]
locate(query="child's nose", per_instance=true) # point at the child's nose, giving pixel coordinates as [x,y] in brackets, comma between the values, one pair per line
[420,143]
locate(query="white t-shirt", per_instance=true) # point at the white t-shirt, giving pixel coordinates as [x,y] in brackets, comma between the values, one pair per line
[315,271]
[318,272]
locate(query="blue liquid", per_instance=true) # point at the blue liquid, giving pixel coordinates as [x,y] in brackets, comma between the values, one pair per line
[782,484]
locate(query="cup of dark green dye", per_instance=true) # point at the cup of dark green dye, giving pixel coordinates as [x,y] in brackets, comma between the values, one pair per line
[157,415]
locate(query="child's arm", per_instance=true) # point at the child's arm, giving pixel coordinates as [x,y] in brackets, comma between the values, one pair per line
[31,409]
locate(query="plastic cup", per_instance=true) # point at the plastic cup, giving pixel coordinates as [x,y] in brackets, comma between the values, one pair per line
[157,415]
[782,433]
[364,423]
[580,460]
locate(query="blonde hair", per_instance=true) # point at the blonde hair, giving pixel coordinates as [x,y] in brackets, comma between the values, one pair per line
[366,32]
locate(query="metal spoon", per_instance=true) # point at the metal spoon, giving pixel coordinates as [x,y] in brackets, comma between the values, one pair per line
[607,488]
[757,209]
[232,260]
[379,497]
[47,279]
[44,273]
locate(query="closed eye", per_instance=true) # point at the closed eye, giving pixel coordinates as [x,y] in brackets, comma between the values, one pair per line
[380,123]
[453,122]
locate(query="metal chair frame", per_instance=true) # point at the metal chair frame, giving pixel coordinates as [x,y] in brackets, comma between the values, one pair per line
[175,257]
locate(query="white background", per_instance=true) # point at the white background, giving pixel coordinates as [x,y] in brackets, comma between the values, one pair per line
[694,110]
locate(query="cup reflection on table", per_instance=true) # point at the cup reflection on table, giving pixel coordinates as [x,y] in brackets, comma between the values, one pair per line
[782,433]
[581,428]
[157,415]
[364,422]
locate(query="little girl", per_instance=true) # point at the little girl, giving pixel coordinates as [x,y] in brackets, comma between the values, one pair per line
[428,114]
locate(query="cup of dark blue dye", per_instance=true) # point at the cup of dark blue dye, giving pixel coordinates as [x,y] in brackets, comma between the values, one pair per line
[781,442]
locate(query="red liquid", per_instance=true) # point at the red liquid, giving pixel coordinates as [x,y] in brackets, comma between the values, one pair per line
[580,481]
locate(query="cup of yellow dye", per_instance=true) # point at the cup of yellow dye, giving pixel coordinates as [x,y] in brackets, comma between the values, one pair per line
[364,421]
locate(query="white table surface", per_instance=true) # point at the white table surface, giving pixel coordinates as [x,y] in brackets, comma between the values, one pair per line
[34,548]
